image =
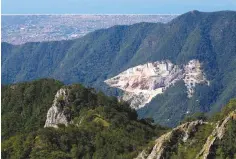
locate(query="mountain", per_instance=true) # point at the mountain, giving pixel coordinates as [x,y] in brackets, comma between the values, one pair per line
[46,119]
[23,106]
[198,139]
[142,83]
[208,38]
[71,121]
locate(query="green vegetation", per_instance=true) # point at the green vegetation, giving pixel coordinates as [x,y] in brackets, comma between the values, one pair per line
[226,148]
[231,106]
[195,116]
[176,147]
[208,37]
[102,127]
[190,148]
[25,105]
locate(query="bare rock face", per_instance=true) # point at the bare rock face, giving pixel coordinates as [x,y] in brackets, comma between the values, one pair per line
[142,83]
[183,132]
[217,133]
[159,148]
[193,74]
[57,113]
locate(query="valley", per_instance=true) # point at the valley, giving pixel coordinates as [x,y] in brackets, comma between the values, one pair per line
[72,121]
[206,38]
[105,79]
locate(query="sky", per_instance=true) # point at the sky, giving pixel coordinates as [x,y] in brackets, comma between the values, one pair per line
[113,6]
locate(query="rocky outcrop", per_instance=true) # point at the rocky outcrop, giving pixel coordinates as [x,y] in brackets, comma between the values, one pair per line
[183,131]
[217,133]
[193,74]
[57,113]
[142,83]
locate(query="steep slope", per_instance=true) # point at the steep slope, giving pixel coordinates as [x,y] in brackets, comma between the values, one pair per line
[103,54]
[83,60]
[142,83]
[77,123]
[198,139]
[24,105]
[57,114]
[217,134]
[167,142]
[87,124]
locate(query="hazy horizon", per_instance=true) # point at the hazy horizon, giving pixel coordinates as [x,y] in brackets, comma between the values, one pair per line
[114,7]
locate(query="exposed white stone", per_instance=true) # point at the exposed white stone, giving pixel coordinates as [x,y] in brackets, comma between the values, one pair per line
[161,143]
[217,134]
[183,132]
[193,75]
[143,82]
[56,114]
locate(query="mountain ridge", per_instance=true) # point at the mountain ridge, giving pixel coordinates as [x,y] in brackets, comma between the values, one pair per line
[69,121]
[207,37]
[88,124]
[183,141]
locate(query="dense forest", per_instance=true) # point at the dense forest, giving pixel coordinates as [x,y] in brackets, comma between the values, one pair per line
[102,54]
[102,127]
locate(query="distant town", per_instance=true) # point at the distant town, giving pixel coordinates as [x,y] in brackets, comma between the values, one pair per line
[20,29]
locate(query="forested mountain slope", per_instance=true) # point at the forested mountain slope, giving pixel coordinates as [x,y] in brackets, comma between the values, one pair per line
[213,138]
[71,121]
[98,126]
[100,55]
